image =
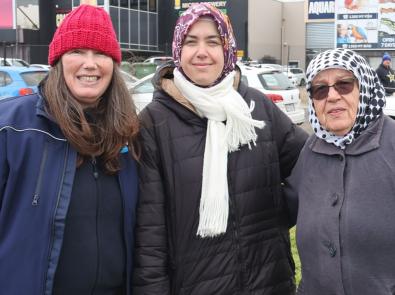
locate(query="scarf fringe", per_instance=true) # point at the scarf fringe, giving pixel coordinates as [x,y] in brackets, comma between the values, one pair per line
[213,217]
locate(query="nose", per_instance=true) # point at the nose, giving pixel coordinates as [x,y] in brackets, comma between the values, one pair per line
[333,94]
[90,60]
[201,50]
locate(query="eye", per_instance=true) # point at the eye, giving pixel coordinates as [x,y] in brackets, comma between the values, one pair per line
[100,53]
[189,42]
[214,42]
[319,91]
[75,51]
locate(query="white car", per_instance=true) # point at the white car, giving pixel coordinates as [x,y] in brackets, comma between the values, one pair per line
[277,87]
[300,76]
[142,92]
[291,77]
[274,84]
[16,62]
[158,60]
[389,108]
[129,79]
[41,66]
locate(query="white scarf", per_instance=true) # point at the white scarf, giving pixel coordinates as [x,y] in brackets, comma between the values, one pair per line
[218,104]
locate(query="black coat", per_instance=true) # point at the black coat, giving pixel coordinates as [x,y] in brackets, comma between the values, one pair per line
[387,78]
[253,256]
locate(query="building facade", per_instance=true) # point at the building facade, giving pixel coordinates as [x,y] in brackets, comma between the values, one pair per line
[33,23]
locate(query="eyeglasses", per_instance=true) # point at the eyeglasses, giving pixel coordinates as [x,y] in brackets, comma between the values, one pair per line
[344,86]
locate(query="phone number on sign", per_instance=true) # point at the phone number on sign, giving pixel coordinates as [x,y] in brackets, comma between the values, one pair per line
[387,45]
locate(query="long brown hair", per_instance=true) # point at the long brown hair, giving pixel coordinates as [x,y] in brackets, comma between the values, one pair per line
[113,123]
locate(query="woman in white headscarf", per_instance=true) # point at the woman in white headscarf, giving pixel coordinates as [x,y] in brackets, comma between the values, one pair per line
[211,219]
[342,187]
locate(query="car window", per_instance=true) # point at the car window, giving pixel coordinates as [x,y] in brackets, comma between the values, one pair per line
[19,63]
[145,87]
[296,71]
[33,78]
[275,81]
[5,79]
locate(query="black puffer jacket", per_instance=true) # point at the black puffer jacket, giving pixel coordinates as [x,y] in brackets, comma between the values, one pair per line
[253,256]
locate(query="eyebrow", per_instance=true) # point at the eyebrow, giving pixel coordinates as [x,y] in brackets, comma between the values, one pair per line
[340,77]
[208,37]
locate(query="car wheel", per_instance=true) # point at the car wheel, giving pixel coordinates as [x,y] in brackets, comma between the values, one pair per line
[302,82]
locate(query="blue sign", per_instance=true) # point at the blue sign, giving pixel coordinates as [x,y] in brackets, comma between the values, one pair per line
[321,10]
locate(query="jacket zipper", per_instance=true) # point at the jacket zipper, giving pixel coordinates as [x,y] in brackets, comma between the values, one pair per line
[96,177]
[54,214]
[37,190]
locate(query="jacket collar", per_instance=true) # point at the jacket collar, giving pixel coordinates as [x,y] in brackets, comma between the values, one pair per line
[367,141]
[41,104]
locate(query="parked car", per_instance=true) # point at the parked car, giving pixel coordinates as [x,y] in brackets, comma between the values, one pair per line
[158,60]
[299,74]
[291,77]
[129,79]
[277,87]
[142,92]
[41,66]
[274,84]
[18,81]
[16,62]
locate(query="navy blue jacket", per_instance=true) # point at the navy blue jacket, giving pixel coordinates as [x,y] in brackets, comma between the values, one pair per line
[37,167]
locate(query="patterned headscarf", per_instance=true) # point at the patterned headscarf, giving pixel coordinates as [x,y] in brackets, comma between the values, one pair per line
[371,98]
[190,17]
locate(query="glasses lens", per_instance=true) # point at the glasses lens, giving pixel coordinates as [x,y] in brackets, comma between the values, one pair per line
[319,92]
[344,86]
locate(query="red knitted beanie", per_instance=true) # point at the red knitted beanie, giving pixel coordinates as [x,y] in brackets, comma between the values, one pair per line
[87,27]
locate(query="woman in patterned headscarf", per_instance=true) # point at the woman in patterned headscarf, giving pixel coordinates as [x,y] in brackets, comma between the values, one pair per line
[211,217]
[344,181]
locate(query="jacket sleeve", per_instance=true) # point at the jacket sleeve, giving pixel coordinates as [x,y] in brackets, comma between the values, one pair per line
[291,193]
[3,166]
[289,138]
[150,275]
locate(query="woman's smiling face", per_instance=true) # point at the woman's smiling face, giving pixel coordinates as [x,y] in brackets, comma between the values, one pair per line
[202,54]
[336,112]
[88,74]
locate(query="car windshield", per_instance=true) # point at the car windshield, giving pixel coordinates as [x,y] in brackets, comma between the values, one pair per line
[275,81]
[19,63]
[33,78]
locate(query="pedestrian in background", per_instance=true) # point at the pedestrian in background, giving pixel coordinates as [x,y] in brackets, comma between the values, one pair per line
[68,181]
[342,187]
[386,75]
[211,218]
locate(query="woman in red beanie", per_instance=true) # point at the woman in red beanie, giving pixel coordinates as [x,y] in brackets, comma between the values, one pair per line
[68,181]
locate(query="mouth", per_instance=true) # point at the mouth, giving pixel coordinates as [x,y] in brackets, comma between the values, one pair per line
[201,65]
[88,79]
[336,111]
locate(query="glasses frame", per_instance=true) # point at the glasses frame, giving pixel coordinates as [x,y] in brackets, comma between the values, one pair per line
[335,85]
